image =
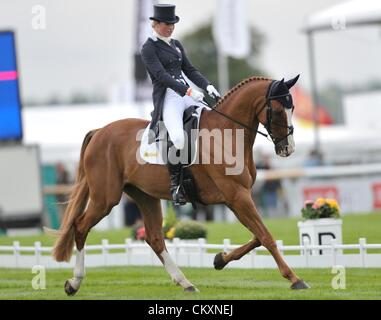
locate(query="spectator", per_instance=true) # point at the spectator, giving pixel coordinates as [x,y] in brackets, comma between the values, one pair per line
[315,158]
[270,190]
[132,215]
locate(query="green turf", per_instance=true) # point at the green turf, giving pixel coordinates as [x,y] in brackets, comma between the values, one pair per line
[354,227]
[153,282]
[146,283]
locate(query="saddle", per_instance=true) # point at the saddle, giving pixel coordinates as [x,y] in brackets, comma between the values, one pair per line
[157,152]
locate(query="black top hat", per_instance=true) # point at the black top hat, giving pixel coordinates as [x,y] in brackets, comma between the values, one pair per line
[165,13]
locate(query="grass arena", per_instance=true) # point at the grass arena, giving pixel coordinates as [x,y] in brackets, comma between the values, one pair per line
[201,104]
[153,283]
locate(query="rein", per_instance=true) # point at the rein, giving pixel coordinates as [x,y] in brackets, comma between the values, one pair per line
[267,104]
[226,116]
[233,120]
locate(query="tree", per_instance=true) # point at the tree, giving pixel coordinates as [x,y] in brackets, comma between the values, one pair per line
[202,51]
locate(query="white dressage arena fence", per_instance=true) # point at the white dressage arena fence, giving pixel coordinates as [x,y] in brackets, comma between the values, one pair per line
[197,253]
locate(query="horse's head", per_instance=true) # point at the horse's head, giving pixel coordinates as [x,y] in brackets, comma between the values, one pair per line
[276,115]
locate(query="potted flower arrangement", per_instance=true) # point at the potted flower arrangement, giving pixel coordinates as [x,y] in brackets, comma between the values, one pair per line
[184,230]
[321,223]
[321,208]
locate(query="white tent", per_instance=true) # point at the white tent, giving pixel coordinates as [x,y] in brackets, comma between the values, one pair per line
[352,13]
[59,131]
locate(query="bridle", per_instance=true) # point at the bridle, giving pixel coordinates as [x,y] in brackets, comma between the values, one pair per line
[269,120]
[269,108]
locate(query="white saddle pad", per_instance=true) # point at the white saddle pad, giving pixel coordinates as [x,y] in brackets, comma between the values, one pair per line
[151,152]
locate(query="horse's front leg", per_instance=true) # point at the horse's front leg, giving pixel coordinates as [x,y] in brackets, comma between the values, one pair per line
[246,212]
[222,258]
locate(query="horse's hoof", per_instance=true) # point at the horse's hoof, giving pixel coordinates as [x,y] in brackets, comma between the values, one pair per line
[219,262]
[300,284]
[191,289]
[70,291]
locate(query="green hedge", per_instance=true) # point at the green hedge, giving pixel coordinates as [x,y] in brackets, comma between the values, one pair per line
[190,230]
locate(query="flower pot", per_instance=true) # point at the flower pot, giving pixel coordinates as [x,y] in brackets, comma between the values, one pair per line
[320,232]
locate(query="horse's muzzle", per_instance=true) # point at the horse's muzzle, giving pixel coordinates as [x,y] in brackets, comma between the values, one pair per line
[284,149]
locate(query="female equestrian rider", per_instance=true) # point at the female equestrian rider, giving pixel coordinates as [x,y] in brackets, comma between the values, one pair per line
[165,60]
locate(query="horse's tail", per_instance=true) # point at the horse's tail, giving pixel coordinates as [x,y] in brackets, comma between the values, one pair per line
[79,196]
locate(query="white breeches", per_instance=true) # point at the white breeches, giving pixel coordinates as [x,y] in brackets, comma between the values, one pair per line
[173,109]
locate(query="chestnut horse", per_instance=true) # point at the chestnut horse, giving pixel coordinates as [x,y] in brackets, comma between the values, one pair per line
[109,166]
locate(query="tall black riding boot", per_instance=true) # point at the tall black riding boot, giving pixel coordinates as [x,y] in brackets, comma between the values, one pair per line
[177,190]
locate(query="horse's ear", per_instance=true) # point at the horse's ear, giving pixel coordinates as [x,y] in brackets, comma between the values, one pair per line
[291,83]
[279,87]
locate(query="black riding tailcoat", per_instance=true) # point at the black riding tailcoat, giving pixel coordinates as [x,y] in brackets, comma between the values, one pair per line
[164,64]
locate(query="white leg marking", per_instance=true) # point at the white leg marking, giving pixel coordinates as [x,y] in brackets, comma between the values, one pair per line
[79,270]
[175,273]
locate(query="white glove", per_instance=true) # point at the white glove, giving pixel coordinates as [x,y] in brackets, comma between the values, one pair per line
[196,95]
[212,91]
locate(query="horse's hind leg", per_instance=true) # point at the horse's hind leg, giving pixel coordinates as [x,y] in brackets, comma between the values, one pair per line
[153,220]
[93,214]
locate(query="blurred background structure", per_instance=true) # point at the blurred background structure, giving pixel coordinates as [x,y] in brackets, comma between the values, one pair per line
[66,69]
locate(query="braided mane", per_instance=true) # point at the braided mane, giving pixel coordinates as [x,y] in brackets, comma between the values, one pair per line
[238,86]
